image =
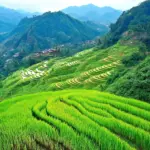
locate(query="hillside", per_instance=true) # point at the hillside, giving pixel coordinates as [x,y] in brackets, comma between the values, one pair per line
[134,83]
[111,69]
[133,25]
[74,119]
[49,29]
[132,80]
[69,73]
[90,12]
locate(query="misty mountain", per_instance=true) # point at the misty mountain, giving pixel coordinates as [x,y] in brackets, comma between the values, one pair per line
[9,18]
[90,12]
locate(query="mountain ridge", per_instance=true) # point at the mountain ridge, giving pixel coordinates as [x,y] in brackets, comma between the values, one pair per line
[83,13]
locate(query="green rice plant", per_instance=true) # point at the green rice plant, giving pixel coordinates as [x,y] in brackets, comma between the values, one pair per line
[76,120]
[65,132]
[144,114]
[127,117]
[127,131]
[73,120]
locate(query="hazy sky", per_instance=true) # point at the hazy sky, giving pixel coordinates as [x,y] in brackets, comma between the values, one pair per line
[54,5]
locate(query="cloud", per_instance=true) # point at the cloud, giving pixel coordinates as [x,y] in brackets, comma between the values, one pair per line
[54,5]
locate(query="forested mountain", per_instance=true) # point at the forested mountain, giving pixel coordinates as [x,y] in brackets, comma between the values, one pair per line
[50,29]
[100,15]
[44,32]
[132,28]
[134,24]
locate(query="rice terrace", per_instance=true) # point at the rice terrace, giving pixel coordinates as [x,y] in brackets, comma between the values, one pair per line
[75,119]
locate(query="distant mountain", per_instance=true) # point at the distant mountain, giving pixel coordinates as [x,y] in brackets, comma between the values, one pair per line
[6,27]
[90,12]
[9,18]
[101,28]
[28,14]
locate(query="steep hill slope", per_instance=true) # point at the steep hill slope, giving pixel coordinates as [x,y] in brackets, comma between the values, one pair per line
[88,69]
[74,120]
[132,28]
[134,83]
[100,15]
[133,25]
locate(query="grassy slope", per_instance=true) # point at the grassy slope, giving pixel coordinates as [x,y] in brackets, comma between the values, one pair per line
[88,69]
[74,119]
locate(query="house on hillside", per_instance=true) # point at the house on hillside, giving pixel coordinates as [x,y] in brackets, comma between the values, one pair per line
[47,52]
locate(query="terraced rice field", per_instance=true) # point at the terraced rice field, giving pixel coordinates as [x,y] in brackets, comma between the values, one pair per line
[93,76]
[74,120]
[89,69]
[38,72]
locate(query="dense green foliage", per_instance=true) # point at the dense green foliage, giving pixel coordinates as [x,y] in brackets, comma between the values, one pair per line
[134,83]
[74,119]
[134,24]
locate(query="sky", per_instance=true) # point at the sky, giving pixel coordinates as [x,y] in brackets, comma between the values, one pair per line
[55,5]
